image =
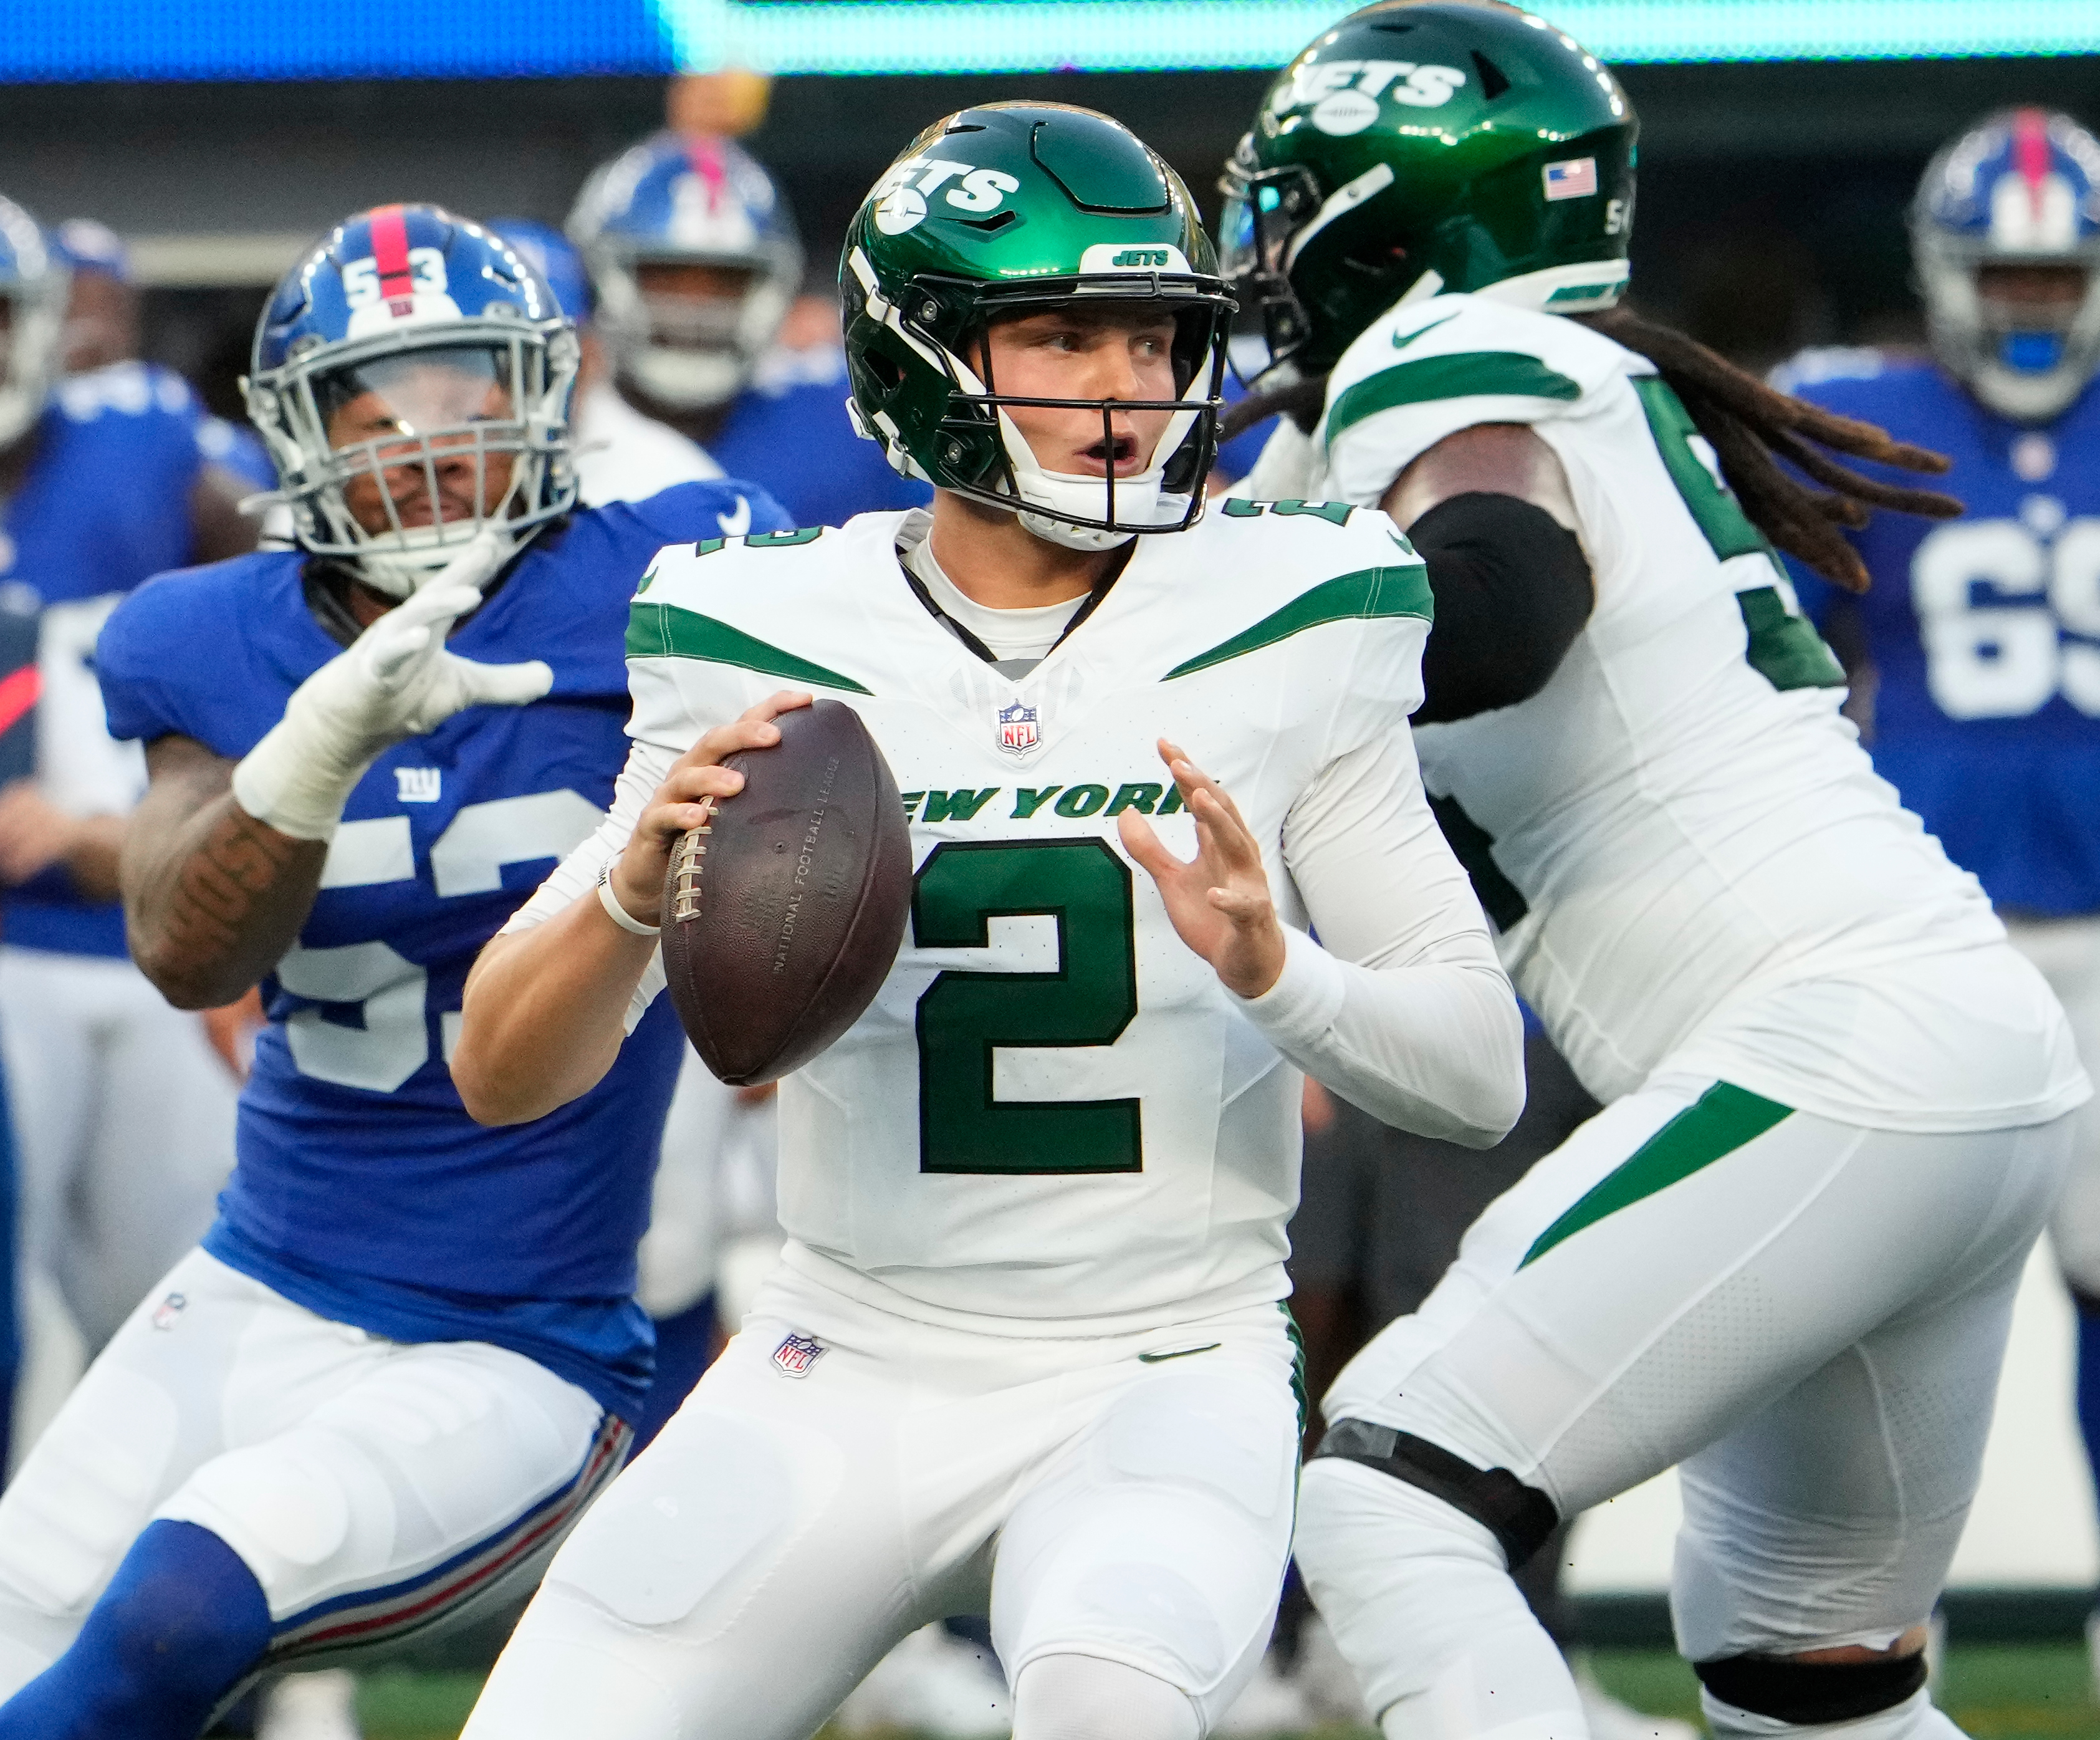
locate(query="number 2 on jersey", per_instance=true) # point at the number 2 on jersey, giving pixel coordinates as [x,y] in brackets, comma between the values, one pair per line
[966,1015]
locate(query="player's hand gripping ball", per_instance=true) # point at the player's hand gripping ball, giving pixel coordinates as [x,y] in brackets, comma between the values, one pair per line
[783,913]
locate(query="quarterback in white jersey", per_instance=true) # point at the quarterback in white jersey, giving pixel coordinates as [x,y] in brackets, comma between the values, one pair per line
[1025,1354]
[1785,1255]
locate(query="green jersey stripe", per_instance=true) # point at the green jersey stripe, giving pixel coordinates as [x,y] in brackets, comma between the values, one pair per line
[1465,374]
[1723,1119]
[1367,592]
[665,631]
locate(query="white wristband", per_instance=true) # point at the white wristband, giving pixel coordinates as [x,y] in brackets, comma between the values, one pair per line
[618,913]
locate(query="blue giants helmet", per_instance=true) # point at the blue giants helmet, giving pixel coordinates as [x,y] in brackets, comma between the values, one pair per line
[674,201]
[2020,188]
[411,377]
[33,281]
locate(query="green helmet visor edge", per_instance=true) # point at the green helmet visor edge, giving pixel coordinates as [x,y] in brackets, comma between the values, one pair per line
[977,452]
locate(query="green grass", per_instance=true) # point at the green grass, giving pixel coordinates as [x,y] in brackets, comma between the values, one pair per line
[1994,1692]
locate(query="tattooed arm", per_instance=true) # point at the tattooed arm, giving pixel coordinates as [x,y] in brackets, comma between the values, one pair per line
[212,897]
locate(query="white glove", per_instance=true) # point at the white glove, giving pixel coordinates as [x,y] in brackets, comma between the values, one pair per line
[395,681]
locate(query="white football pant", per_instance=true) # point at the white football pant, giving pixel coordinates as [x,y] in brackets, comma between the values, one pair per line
[1810,1320]
[842,1475]
[375,1489]
[2066,951]
[124,1127]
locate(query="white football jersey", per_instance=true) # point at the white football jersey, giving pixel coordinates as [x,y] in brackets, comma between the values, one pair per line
[1053,1111]
[1689,860]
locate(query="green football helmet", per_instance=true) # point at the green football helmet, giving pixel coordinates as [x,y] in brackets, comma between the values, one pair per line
[1423,145]
[1012,208]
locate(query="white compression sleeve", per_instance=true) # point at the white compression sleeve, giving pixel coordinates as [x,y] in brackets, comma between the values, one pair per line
[575,877]
[1405,1012]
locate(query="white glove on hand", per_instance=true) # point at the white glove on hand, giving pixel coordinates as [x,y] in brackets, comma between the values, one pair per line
[395,681]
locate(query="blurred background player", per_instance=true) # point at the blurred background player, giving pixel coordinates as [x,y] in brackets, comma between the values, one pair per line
[102,303]
[406,1355]
[695,264]
[125,1115]
[1975,657]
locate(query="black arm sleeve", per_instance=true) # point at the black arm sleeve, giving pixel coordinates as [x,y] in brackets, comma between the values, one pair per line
[1513,590]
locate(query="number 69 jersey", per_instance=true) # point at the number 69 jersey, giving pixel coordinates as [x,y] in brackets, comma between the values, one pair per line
[362,1189]
[1053,1111]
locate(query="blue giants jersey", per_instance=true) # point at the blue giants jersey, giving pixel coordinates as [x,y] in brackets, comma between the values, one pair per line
[363,1190]
[788,430]
[105,503]
[1984,631]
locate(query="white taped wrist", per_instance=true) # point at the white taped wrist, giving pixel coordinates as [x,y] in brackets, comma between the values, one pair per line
[618,913]
[287,781]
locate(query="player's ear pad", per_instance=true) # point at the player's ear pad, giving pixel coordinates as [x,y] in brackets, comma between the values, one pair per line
[784,913]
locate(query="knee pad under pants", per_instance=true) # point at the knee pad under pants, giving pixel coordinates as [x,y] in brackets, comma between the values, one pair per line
[1420,1602]
[1084,1698]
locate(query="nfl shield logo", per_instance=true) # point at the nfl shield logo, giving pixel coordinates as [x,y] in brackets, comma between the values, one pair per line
[1018,729]
[171,1308]
[797,1354]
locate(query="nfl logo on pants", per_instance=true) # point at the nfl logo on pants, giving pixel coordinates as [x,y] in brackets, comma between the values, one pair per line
[797,1353]
[1017,729]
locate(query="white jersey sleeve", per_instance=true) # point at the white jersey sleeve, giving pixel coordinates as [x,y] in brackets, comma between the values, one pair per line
[576,876]
[1425,370]
[1405,1012]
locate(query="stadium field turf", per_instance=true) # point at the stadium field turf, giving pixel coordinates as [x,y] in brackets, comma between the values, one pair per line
[1994,1692]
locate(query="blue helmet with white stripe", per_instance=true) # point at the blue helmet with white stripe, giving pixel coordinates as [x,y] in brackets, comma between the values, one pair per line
[412,378]
[687,340]
[33,281]
[2005,233]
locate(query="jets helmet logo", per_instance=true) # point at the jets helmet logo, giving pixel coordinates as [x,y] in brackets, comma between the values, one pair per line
[901,194]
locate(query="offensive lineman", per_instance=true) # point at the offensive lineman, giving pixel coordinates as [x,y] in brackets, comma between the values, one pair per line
[1985,678]
[1838,1105]
[405,1356]
[1025,1349]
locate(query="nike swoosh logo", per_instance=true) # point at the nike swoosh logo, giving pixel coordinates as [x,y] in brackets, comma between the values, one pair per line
[1400,343]
[735,524]
[1179,1352]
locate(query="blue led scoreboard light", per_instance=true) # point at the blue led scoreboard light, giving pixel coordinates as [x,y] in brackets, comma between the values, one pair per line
[54,40]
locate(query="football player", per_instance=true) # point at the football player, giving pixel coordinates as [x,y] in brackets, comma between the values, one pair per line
[1838,1105]
[695,262]
[1978,671]
[405,1355]
[124,1114]
[1025,1352]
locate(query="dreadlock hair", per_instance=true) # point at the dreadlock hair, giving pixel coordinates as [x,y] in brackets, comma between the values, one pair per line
[1753,428]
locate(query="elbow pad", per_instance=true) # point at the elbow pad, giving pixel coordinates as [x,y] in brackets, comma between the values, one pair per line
[1513,589]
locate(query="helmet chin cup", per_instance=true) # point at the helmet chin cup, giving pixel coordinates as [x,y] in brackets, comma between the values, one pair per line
[686,380]
[426,551]
[1053,505]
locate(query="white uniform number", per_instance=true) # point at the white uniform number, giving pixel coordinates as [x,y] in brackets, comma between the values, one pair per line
[374,1034]
[2010,619]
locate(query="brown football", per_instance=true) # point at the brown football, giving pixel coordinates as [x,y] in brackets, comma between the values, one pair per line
[782,916]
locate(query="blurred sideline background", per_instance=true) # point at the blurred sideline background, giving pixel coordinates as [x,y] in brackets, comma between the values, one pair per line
[1780,142]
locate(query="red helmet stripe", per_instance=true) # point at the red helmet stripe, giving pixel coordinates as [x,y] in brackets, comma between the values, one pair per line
[390,251]
[2031,151]
[704,155]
